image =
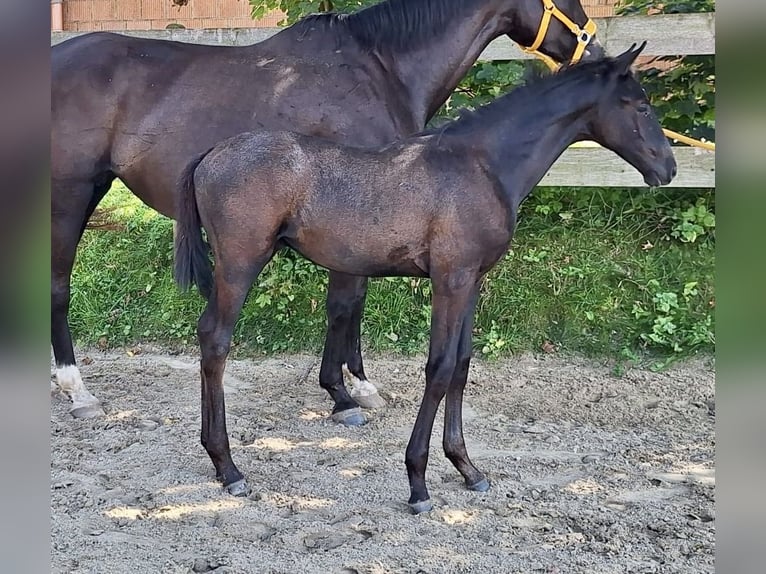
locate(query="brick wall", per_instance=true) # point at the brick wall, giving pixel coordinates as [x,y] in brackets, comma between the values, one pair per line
[87,15]
[599,8]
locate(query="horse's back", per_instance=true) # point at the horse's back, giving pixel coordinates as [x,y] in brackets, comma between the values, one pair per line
[264,155]
[114,97]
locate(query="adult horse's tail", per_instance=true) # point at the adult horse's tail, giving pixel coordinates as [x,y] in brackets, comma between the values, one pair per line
[192,260]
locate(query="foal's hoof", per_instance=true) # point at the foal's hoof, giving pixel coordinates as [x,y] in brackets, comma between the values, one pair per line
[90,411]
[481,486]
[421,506]
[350,417]
[238,488]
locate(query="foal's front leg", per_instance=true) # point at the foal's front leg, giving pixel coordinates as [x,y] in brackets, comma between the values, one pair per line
[448,311]
[453,441]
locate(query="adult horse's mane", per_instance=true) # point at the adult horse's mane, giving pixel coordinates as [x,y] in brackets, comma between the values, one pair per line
[528,94]
[398,24]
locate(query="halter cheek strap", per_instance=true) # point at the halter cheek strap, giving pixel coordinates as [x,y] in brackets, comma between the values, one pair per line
[583,35]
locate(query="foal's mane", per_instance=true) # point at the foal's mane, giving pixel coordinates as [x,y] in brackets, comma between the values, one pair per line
[398,24]
[526,97]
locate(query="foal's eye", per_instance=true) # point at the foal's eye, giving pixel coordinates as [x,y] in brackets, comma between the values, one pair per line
[643,109]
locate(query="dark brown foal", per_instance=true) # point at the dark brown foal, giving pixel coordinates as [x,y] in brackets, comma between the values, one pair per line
[442,204]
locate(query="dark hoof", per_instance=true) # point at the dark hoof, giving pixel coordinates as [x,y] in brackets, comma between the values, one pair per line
[238,488]
[87,411]
[481,486]
[350,417]
[421,506]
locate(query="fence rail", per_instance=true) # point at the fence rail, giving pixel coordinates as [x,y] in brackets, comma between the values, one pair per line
[666,34]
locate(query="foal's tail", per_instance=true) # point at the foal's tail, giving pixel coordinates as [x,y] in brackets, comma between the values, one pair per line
[192,259]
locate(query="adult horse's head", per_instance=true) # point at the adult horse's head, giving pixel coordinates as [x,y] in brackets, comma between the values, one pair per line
[625,122]
[557,30]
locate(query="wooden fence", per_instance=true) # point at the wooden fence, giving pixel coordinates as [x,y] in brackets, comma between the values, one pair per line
[666,34]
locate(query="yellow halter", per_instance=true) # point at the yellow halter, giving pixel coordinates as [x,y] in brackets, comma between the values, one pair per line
[583,35]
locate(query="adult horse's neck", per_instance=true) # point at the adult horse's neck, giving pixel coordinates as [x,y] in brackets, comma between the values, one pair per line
[424,47]
[433,70]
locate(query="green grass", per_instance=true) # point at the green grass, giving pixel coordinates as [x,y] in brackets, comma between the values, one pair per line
[606,272]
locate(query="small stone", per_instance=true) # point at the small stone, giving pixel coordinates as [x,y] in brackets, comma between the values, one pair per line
[147,425]
[200,565]
[588,458]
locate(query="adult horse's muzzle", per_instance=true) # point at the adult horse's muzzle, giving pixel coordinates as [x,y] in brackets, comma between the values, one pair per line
[587,46]
[594,50]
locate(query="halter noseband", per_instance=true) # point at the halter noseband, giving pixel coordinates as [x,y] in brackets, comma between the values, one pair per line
[583,35]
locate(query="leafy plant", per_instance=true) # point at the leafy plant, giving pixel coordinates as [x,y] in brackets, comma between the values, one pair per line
[490,341]
[297,9]
[668,322]
[681,89]
[484,82]
[693,222]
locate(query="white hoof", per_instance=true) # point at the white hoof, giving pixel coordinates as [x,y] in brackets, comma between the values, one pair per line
[374,401]
[364,392]
[84,404]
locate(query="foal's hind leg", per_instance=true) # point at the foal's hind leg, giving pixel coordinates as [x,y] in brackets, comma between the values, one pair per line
[453,441]
[214,330]
[71,206]
[345,304]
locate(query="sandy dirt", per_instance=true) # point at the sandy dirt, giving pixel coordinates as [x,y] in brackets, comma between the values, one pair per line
[590,472]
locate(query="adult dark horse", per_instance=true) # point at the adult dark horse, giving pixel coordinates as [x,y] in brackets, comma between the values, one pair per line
[139,109]
[442,204]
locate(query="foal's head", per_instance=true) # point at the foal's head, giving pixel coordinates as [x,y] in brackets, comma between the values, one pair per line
[625,123]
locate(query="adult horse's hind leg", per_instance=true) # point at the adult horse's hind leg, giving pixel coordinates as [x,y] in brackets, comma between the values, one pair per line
[71,206]
[215,328]
[453,441]
[342,351]
[450,300]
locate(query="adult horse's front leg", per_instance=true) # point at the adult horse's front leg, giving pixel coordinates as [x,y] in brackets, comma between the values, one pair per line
[453,441]
[72,203]
[451,298]
[342,349]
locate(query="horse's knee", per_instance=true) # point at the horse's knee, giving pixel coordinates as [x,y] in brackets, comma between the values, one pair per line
[215,350]
[214,345]
[461,368]
[59,293]
[440,371]
[340,308]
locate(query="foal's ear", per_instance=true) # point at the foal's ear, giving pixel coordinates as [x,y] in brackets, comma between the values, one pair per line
[624,61]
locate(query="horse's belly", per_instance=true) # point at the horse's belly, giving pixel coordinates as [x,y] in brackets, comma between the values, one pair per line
[365,258]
